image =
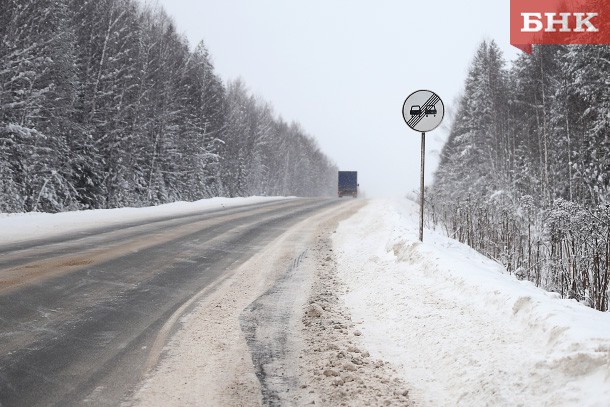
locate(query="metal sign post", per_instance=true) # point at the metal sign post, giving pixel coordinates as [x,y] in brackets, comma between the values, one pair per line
[423,111]
[421,187]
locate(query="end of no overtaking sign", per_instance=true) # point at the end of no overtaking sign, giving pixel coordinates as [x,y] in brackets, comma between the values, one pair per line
[423,111]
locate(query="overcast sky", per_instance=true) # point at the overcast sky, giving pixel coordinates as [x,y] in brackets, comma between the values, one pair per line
[343,68]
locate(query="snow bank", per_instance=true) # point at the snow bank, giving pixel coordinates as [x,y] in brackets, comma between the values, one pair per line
[25,226]
[460,330]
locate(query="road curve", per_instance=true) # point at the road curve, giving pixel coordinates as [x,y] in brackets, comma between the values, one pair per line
[79,314]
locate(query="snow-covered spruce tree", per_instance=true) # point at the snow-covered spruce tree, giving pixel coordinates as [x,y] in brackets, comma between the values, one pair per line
[475,160]
[280,164]
[168,111]
[261,136]
[298,155]
[206,109]
[587,104]
[109,68]
[36,110]
[540,132]
[235,150]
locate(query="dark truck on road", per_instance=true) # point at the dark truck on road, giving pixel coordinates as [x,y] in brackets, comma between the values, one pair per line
[348,183]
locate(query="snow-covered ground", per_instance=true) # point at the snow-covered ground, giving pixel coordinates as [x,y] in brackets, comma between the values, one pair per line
[458,329]
[35,225]
[455,329]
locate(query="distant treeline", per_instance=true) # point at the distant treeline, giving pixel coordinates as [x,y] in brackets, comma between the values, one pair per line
[103,104]
[525,174]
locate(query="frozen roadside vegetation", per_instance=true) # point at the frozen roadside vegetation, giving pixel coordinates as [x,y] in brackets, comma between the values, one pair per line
[457,328]
[17,227]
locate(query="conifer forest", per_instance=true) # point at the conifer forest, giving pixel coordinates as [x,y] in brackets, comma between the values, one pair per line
[525,174]
[104,104]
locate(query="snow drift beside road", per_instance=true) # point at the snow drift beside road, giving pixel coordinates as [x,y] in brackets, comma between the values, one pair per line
[36,225]
[461,331]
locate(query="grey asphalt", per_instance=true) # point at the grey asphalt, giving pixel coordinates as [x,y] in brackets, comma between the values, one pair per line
[78,328]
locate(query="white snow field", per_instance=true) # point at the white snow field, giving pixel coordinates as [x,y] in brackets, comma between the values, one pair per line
[457,327]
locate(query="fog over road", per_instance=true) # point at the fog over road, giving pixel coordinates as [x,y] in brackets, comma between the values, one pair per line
[83,317]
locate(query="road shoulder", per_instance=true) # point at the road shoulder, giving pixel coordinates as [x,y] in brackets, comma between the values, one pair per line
[242,347]
[336,368]
[208,359]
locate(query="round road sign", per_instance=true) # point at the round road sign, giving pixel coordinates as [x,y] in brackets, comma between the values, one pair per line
[423,111]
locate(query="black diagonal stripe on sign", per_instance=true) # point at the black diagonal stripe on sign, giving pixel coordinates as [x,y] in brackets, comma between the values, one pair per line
[433,100]
[430,102]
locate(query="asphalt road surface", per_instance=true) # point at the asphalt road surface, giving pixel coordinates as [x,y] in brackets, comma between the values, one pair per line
[81,315]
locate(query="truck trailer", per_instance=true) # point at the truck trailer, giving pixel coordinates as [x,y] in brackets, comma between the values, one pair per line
[348,184]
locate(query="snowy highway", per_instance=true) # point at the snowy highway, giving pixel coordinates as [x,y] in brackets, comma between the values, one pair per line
[83,315]
[279,302]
